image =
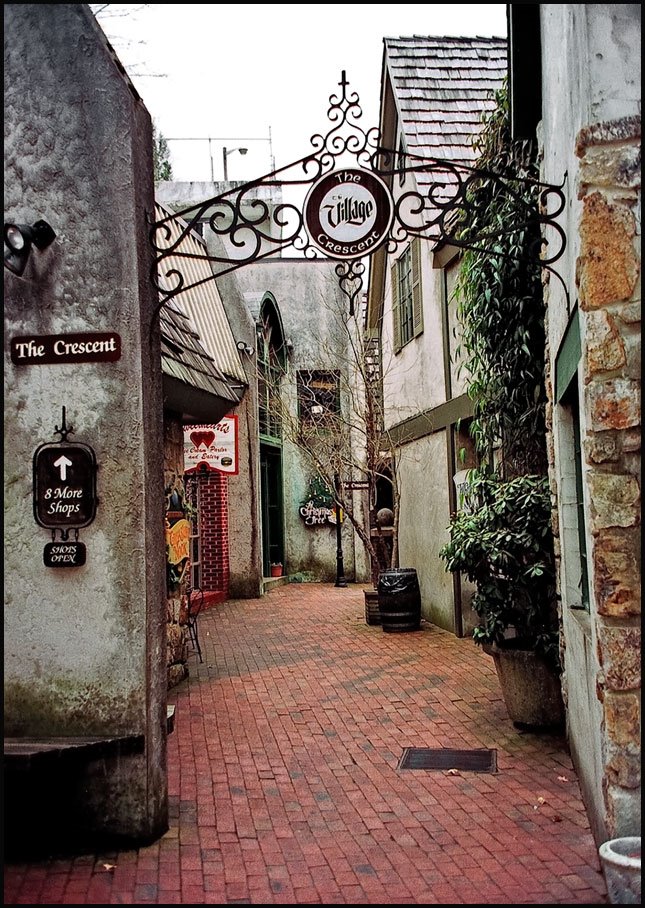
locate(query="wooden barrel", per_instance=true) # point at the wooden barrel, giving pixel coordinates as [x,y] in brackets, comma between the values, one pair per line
[399,600]
[372,613]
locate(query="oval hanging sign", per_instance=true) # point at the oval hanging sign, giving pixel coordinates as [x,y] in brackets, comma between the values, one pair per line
[348,213]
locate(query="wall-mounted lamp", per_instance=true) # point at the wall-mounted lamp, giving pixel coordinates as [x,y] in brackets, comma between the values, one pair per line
[225,153]
[19,238]
[244,348]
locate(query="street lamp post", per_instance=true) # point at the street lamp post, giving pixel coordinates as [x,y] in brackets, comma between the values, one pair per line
[340,568]
[211,139]
[225,153]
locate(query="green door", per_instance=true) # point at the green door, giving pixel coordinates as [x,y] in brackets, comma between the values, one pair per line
[272,525]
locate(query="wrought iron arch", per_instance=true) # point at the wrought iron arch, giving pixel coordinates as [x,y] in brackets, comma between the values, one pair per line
[253,229]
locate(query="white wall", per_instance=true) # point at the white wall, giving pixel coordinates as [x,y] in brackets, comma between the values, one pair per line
[84,647]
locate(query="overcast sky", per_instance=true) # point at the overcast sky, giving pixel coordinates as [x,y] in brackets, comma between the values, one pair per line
[242,72]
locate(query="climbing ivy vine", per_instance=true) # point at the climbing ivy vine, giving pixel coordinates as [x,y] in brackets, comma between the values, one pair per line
[500,306]
[502,539]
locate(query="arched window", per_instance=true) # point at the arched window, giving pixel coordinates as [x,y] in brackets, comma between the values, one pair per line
[271,367]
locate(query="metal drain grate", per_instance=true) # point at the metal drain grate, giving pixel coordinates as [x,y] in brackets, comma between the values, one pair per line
[446,758]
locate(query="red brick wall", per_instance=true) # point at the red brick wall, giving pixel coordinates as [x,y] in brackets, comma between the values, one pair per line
[214,534]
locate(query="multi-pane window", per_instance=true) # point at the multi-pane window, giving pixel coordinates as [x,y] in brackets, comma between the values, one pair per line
[407,300]
[318,396]
[404,285]
[270,372]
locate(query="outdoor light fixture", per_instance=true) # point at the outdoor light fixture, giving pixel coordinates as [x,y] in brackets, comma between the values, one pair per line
[244,348]
[225,153]
[19,238]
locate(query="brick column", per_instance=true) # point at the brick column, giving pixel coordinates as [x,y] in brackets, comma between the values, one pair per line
[214,533]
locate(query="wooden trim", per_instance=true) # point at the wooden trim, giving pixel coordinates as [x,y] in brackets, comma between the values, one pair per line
[430,421]
[417,292]
[444,254]
[568,356]
[396,315]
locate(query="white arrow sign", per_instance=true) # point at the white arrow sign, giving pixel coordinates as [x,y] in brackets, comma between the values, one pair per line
[63,462]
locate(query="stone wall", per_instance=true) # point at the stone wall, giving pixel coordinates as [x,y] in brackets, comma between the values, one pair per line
[608,279]
[177,641]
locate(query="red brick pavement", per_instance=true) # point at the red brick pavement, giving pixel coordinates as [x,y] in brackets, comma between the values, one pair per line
[284,781]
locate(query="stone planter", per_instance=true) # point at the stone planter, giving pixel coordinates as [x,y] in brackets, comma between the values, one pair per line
[530,687]
[621,864]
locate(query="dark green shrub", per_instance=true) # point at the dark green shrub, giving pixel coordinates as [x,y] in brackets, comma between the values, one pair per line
[504,546]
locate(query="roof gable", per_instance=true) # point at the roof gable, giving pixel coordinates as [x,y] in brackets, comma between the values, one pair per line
[441,87]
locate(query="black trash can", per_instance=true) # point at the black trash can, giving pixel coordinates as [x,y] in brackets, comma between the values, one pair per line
[399,600]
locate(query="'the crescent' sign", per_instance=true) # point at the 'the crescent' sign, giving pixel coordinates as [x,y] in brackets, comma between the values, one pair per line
[348,213]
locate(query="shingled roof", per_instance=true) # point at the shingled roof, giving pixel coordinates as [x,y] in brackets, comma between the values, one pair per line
[197,382]
[184,358]
[441,88]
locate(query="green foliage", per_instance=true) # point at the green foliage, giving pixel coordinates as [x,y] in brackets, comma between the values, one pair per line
[500,307]
[504,545]
[160,156]
[502,539]
[320,493]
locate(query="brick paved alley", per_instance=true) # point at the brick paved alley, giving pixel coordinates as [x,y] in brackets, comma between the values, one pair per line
[285,784]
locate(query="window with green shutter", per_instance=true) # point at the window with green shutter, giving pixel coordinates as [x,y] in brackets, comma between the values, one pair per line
[407,297]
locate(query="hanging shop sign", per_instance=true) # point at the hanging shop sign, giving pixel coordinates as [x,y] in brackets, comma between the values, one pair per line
[212,447]
[315,515]
[64,485]
[64,554]
[348,213]
[49,349]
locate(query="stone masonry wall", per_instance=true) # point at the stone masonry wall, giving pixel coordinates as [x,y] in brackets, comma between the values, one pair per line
[177,632]
[608,278]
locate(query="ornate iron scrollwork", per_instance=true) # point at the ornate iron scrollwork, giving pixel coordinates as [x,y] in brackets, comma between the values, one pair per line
[253,229]
[449,208]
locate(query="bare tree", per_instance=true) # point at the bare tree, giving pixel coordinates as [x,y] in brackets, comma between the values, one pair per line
[334,416]
[109,16]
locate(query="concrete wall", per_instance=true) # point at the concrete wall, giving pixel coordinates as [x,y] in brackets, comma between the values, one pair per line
[245,548]
[425,512]
[85,646]
[415,381]
[591,132]
[309,300]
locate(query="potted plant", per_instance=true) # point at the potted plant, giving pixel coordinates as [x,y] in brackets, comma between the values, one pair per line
[501,541]
[501,537]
